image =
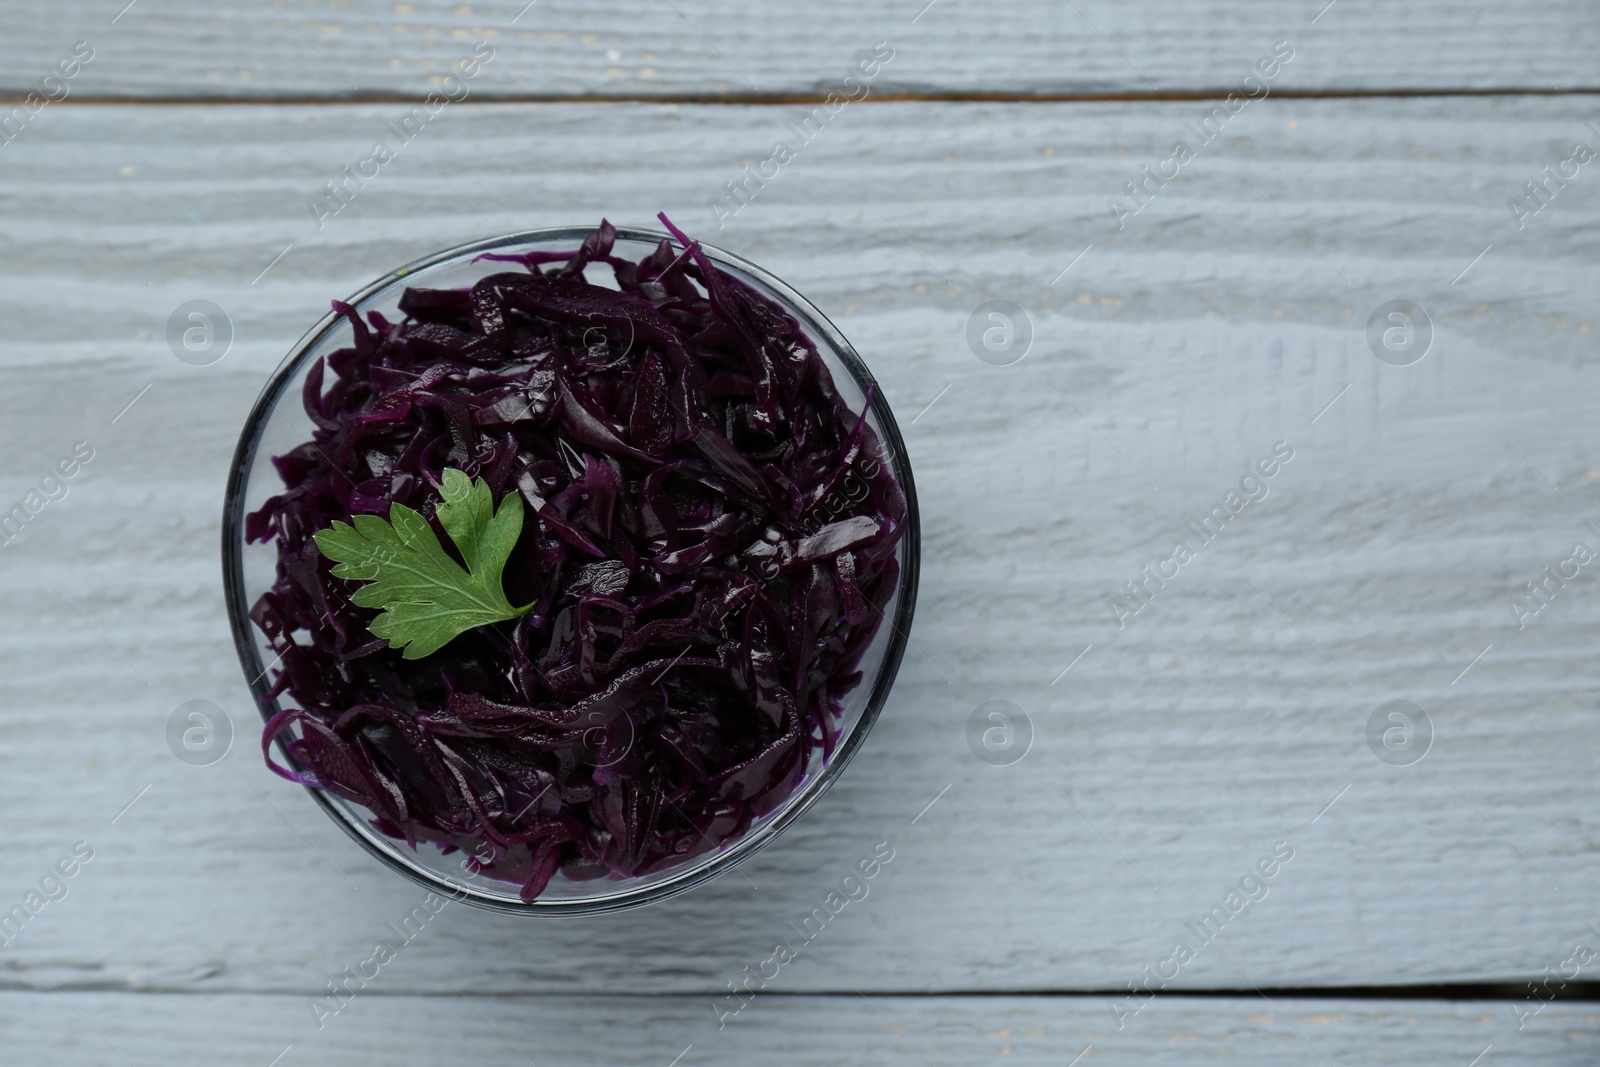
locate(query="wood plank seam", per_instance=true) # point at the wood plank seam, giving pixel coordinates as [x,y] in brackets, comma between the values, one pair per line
[490,97]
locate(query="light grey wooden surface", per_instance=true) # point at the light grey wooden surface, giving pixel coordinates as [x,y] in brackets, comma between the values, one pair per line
[1227,716]
[837,1031]
[565,48]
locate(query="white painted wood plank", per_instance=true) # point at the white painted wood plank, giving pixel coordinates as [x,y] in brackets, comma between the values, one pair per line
[93,1029]
[1190,743]
[301,48]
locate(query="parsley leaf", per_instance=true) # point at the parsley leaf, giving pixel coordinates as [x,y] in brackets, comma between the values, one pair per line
[427,598]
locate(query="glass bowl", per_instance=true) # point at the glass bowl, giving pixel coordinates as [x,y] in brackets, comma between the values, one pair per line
[276,424]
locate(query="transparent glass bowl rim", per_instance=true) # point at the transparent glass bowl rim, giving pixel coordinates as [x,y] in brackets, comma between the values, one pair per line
[727,856]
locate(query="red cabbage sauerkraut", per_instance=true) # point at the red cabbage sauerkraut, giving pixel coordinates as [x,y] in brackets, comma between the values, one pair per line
[709,541]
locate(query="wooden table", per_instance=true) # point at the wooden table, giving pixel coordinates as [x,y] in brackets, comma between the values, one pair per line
[1232,717]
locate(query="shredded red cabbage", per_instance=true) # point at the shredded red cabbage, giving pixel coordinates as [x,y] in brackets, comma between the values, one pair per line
[710,542]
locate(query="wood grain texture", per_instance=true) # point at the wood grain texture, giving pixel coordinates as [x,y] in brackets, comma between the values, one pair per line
[811,1031]
[565,48]
[1223,719]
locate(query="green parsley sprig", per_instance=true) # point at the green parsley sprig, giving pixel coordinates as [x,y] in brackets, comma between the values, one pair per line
[428,599]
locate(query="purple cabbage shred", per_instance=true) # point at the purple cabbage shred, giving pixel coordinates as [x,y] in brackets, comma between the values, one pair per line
[709,538]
